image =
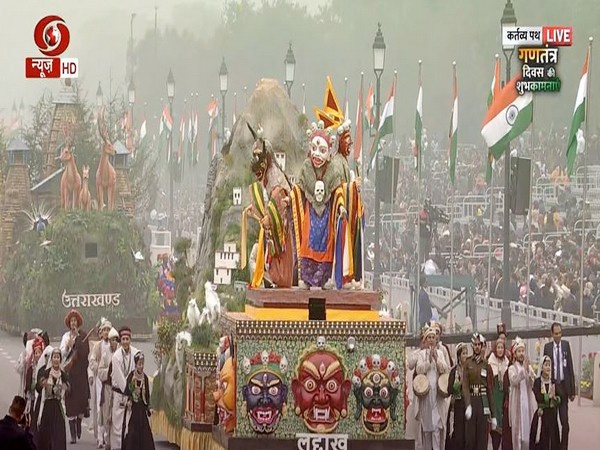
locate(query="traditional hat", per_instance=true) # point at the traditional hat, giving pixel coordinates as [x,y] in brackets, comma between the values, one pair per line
[77,315]
[437,326]
[460,347]
[138,356]
[38,343]
[517,343]
[477,338]
[427,331]
[113,333]
[56,350]
[105,324]
[125,331]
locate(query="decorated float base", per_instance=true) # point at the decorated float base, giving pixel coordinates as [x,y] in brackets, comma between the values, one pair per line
[333,383]
[297,304]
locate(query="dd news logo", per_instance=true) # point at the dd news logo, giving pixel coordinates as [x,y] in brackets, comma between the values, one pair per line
[51,36]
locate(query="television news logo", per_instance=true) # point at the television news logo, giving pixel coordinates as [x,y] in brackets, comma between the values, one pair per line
[52,37]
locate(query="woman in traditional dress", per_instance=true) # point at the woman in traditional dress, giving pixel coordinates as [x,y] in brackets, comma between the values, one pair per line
[137,435]
[52,384]
[455,440]
[544,390]
[498,361]
[31,376]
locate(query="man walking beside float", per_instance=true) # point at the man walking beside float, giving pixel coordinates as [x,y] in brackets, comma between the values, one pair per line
[75,350]
[123,364]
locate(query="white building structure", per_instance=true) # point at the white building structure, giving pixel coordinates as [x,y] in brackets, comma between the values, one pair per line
[226,262]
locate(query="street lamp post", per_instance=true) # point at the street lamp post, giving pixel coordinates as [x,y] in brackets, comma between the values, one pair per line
[171,95]
[290,69]
[378,65]
[508,20]
[223,75]
[99,96]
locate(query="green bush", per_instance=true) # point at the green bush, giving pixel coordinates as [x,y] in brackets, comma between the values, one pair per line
[37,276]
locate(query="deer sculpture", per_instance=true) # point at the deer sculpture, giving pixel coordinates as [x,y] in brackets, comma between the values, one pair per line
[106,177]
[70,182]
[85,197]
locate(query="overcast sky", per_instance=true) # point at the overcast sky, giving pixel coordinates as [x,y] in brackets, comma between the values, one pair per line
[99,52]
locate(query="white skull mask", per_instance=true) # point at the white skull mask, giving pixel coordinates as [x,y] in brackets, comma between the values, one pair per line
[283,364]
[390,367]
[356,381]
[319,151]
[376,362]
[264,357]
[246,365]
[362,365]
[321,342]
[319,191]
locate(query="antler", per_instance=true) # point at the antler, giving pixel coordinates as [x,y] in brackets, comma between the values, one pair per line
[102,129]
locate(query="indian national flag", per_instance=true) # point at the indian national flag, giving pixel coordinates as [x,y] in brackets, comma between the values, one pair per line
[386,126]
[418,127]
[509,115]
[495,88]
[494,91]
[454,131]
[578,115]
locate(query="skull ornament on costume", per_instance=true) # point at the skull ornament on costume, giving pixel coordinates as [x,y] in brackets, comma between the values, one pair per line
[319,191]
[265,392]
[376,394]
[320,389]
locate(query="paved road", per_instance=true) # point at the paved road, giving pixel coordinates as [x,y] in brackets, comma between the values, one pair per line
[11,347]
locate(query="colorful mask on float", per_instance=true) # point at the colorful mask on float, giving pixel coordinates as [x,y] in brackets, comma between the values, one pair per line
[265,392]
[320,143]
[375,384]
[225,394]
[321,389]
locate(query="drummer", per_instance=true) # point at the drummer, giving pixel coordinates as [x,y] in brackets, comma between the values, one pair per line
[430,365]
[477,390]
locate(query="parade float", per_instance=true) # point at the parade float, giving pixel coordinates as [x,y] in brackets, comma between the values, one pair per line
[309,361]
[59,249]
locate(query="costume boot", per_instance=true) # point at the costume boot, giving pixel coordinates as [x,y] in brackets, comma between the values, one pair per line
[79,428]
[73,430]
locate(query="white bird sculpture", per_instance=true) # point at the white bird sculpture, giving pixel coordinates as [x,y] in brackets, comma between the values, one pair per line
[212,302]
[183,339]
[193,313]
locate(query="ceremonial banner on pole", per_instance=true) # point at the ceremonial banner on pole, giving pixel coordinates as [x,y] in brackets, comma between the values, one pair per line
[578,115]
[509,115]
[454,130]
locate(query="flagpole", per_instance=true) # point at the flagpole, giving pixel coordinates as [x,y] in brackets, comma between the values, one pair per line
[362,150]
[393,189]
[585,183]
[528,255]
[418,286]
[345,94]
[451,321]
[304,98]
[489,284]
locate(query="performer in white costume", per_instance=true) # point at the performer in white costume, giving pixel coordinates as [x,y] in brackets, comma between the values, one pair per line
[104,376]
[430,408]
[122,365]
[94,357]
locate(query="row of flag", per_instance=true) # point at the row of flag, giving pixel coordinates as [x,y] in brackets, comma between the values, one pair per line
[509,115]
